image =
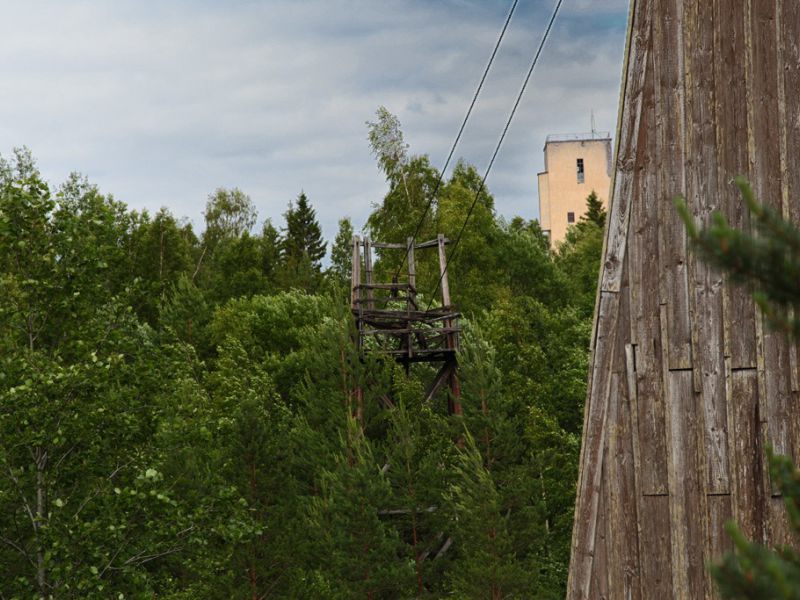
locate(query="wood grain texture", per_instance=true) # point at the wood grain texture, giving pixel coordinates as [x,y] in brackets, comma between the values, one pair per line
[622,508]
[747,454]
[645,320]
[686,492]
[702,197]
[656,543]
[687,385]
[670,134]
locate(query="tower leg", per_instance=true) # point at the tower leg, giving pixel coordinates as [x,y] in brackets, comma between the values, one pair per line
[454,402]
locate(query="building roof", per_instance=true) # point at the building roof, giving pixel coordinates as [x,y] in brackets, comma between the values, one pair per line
[593,136]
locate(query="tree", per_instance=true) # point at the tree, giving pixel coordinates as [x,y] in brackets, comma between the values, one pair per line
[162,250]
[767,261]
[229,213]
[302,247]
[412,182]
[578,255]
[80,384]
[270,250]
[302,236]
[386,140]
[487,567]
[595,212]
[362,551]
[342,251]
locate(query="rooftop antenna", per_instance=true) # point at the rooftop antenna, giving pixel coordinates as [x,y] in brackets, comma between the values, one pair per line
[594,125]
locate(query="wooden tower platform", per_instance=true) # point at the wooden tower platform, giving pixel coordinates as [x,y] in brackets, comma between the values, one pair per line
[687,385]
[390,322]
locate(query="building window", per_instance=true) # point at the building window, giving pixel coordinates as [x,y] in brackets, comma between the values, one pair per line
[570,217]
[580,170]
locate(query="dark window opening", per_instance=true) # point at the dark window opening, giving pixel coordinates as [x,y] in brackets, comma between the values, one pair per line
[570,217]
[580,170]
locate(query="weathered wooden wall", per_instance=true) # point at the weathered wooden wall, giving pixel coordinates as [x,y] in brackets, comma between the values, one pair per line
[687,385]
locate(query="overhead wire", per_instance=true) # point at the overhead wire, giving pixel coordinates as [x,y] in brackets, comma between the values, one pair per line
[460,131]
[535,60]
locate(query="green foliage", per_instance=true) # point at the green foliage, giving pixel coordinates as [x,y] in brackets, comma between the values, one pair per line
[303,236]
[189,418]
[579,255]
[228,214]
[301,246]
[595,211]
[757,572]
[767,261]
[342,252]
[386,140]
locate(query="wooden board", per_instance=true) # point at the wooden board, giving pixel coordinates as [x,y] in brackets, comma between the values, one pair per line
[687,385]
[670,134]
[747,454]
[732,140]
[687,497]
[702,197]
[645,319]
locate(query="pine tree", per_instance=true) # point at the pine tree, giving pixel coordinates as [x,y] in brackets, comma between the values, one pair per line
[302,235]
[768,262]
[270,250]
[342,250]
[595,212]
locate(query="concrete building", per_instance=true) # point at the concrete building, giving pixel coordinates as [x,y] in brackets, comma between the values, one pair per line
[574,165]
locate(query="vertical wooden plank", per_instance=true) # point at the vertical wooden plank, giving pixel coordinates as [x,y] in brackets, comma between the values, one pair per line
[355,274]
[620,477]
[747,454]
[779,401]
[598,587]
[411,299]
[717,540]
[592,449]
[656,540]
[788,31]
[443,272]
[732,140]
[789,68]
[703,198]
[763,110]
[671,156]
[779,532]
[622,541]
[687,510]
[645,319]
[368,273]
[412,269]
[765,156]
[790,58]
[639,48]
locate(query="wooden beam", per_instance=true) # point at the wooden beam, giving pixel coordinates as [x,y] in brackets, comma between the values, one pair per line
[368,273]
[355,273]
[443,272]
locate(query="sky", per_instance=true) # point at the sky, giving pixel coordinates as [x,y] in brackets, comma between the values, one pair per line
[160,103]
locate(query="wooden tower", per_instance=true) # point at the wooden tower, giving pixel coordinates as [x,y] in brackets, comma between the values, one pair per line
[390,322]
[687,385]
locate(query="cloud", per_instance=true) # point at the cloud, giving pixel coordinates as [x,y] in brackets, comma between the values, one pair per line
[160,103]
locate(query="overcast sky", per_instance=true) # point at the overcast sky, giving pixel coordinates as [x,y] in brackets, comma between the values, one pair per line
[159,103]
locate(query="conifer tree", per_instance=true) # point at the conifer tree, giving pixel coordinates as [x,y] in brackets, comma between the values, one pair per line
[595,212]
[302,235]
[487,567]
[270,250]
[342,250]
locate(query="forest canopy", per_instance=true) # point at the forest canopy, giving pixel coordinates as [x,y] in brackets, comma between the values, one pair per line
[175,406]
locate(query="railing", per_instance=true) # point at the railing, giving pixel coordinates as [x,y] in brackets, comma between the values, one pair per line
[578,137]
